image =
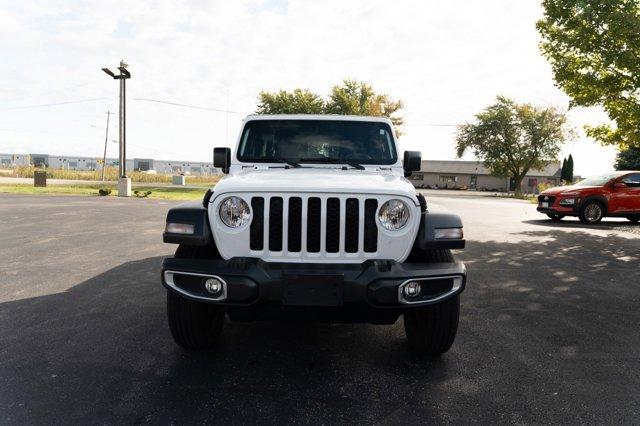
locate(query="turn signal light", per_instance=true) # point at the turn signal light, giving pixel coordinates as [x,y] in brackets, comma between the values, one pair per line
[179,228]
[448,234]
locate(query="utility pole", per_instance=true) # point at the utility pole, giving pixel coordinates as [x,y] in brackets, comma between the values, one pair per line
[124,183]
[106,138]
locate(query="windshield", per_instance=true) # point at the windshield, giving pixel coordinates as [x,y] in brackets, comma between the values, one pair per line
[597,180]
[320,141]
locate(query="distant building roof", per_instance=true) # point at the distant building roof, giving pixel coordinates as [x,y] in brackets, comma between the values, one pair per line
[552,169]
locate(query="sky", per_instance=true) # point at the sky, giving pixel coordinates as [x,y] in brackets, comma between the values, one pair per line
[446,60]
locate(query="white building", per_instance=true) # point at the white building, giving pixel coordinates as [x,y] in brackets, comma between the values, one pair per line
[66,162]
[474,175]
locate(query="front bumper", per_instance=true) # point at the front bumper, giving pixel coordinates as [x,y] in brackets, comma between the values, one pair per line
[369,292]
[565,211]
[551,205]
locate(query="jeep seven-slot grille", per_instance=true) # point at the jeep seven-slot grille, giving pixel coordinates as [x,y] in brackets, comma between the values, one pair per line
[292,215]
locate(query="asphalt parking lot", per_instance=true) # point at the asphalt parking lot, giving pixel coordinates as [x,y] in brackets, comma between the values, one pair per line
[548,333]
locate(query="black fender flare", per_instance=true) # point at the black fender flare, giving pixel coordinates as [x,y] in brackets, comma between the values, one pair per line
[429,222]
[190,213]
[600,198]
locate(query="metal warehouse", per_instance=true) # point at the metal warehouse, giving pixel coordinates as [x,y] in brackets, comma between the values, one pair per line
[65,162]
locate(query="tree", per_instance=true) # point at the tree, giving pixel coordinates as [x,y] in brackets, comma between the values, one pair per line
[594,50]
[358,98]
[512,138]
[300,101]
[570,168]
[349,98]
[566,173]
[628,159]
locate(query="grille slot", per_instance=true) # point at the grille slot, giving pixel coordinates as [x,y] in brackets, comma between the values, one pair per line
[352,214]
[333,225]
[294,225]
[275,224]
[313,225]
[256,237]
[550,199]
[370,228]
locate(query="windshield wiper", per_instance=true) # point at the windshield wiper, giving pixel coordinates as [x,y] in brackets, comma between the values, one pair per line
[289,162]
[333,161]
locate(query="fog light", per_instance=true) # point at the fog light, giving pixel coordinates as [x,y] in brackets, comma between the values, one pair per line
[412,289]
[213,286]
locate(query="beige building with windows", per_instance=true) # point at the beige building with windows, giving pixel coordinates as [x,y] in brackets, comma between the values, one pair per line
[473,175]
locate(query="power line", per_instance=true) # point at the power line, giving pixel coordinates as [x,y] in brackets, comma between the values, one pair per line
[49,92]
[188,106]
[46,133]
[431,124]
[54,104]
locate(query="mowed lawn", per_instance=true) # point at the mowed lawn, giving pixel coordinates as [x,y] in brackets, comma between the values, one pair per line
[162,192]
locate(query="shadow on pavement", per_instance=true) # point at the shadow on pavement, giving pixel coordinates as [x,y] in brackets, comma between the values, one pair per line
[548,333]
[575,223]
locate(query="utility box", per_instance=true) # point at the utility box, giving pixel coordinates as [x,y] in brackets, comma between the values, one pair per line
[40,178]
[178,180]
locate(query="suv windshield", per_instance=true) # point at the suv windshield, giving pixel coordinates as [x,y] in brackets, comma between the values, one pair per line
[317,141]
[598,180]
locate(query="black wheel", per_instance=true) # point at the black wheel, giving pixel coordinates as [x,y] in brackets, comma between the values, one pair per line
[634,219]
[431,329]
[555,217]
[194,325]
[591,212]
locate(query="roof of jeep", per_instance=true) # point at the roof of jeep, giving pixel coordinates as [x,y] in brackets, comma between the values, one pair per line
[334,117]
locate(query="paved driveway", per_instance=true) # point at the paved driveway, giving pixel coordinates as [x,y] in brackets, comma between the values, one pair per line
[548,332]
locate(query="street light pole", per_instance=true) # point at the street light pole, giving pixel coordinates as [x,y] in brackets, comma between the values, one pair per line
[124,183]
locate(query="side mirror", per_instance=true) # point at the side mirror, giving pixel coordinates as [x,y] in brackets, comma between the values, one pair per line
[619,185]
[412,162]
[222,159]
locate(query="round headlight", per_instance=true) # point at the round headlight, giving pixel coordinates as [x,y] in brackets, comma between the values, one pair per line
[234,212]
[393,215]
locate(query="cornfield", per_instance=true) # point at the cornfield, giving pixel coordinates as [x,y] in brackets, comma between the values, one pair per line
[110,174]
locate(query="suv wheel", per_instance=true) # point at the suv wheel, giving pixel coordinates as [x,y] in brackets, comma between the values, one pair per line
[555,217]
[591,212]
[431,329]
[194,325]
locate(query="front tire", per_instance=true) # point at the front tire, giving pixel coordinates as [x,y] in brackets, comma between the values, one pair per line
[591,212]
[432,329]
[194,325]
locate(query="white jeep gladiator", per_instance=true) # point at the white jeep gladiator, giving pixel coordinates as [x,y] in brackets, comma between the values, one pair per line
[316,221]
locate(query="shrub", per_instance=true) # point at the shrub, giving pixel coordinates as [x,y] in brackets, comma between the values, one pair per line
[103,192]
[141,194]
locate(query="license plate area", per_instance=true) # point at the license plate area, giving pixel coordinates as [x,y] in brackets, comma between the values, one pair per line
[312,290]
[544,205]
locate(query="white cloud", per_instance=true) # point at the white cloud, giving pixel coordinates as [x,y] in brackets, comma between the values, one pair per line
[446,60]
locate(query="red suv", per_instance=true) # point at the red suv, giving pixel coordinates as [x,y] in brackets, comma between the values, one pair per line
[613,194]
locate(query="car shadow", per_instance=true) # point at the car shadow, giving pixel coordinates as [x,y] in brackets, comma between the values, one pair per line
[553,314]
[569,222]
[102,351]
